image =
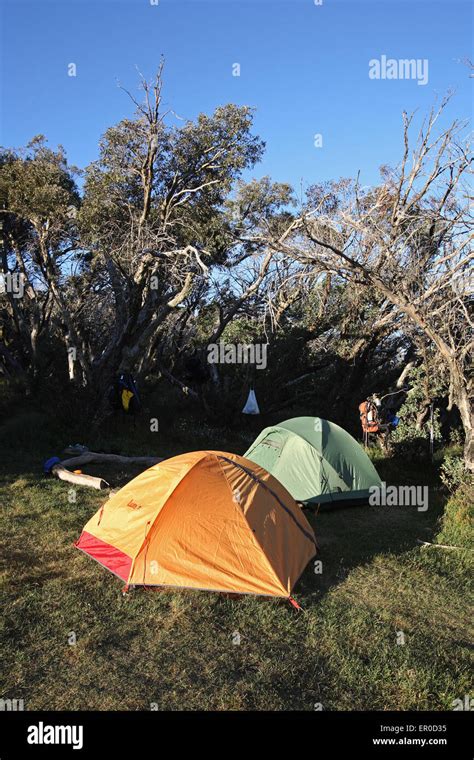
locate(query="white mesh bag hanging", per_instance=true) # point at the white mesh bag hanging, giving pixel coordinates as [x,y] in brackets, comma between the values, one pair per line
[251,405]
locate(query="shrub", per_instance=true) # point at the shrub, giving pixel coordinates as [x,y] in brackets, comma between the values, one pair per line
[408,438]
[457,523]
[453,473]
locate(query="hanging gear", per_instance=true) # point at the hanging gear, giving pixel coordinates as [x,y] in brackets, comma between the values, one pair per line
[251,406]
[124,394]
[369,416]
[377,419]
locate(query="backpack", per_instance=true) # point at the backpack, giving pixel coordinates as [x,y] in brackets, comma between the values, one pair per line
[369,417]
[124,394]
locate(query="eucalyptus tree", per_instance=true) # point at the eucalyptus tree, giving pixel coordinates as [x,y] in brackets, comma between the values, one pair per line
[409,240]
[39,202]
[154,218]
[113,270]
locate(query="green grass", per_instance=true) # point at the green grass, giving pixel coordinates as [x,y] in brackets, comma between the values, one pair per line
[176,650]
[457,522]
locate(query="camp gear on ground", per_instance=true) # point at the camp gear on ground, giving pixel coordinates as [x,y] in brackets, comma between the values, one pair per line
[316,460]
[205,520]
[251,405]
[75,448]
[48,464]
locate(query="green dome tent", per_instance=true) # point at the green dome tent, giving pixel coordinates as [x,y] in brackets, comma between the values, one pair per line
[316,460]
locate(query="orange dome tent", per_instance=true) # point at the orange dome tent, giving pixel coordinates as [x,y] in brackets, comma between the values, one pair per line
[205,520]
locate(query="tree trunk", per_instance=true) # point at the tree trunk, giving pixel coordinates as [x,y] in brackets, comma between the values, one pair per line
[462,400]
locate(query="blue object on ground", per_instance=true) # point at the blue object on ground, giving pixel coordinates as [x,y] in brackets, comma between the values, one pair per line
[49,464]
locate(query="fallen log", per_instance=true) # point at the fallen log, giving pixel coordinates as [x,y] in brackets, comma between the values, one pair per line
[61,471]
[79,479]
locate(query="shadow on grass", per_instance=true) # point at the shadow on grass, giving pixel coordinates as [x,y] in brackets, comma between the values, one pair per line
[352,535]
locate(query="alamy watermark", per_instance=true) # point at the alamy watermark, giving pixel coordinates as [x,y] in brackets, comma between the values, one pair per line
[399,496]
[238,353]
[399,68]
[467,703]
[12,705]
[47,734]
[12,282]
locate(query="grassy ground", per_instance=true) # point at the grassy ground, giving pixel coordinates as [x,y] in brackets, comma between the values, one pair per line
[176,650]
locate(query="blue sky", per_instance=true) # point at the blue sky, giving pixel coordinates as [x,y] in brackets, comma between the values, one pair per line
[304,68]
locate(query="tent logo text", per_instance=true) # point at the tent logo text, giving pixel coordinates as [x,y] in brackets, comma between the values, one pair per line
[402,68]
[41,734]
[238,353]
